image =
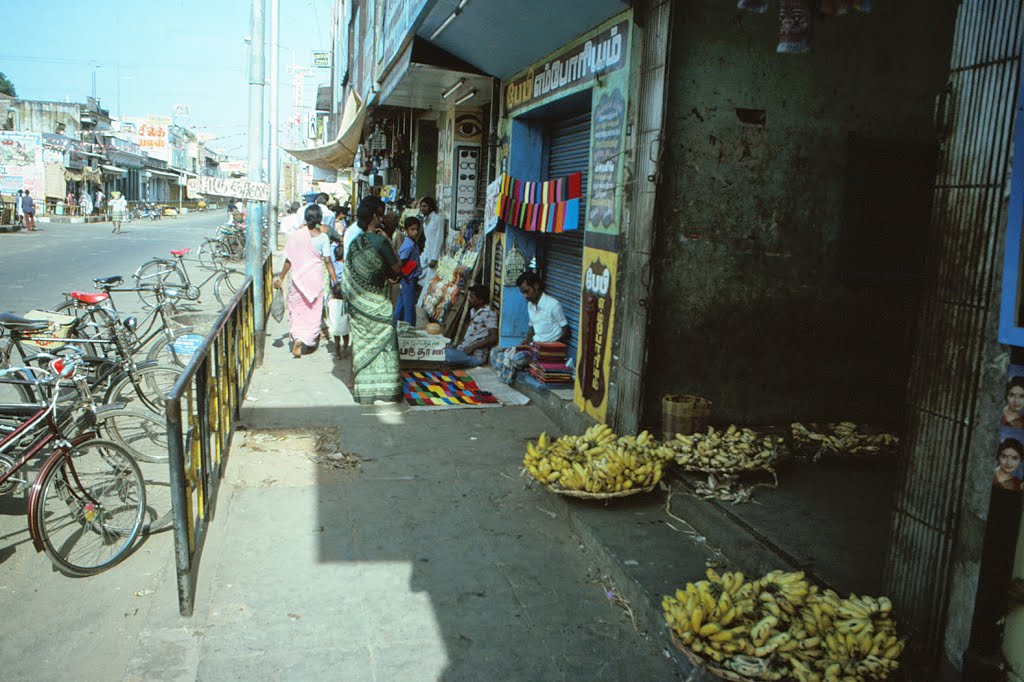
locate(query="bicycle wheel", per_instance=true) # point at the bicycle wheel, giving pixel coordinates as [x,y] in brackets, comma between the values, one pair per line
[158,271]
[212,252]
[174,349]
[227,285]
[90,506]
[144,435]
[153,382]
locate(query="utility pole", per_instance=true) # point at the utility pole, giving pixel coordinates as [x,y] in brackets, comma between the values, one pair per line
[254,213]
[274,157]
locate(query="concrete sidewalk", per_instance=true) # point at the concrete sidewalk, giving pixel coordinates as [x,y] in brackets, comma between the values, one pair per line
[386,543]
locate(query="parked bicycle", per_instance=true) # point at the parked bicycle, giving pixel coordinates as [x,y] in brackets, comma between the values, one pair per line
[114,376]
[157,333]
[174,273]
[228,245]
[87,504]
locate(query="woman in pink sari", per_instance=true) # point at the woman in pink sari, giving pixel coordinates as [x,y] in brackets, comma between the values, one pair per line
[302,253]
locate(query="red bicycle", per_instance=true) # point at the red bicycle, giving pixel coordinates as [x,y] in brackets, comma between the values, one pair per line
[87,504]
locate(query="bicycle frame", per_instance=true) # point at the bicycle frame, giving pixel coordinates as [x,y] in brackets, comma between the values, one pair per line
[47,413]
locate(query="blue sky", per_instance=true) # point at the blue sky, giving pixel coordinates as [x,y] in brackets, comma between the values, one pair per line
[176,52]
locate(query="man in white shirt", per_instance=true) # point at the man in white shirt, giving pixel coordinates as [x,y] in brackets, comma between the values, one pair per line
[433,235]
[547,324]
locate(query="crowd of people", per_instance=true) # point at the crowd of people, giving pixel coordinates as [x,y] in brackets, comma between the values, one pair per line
[355,280]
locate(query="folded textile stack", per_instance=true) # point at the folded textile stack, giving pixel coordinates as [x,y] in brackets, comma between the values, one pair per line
[551,372]
[553,352]
[548,364]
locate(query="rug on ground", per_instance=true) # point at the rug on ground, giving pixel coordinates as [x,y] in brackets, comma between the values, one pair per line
[456,387]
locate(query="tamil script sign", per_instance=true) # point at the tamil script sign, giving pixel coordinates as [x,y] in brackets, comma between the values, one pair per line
[229,187]
[601,53]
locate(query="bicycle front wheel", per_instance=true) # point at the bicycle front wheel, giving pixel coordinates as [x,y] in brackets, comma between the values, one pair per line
[227,285]
[158,272]
[144,435]
[91,506]
[145,387]
[175,348]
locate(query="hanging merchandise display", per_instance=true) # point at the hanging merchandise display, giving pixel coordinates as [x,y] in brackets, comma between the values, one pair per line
[796,18]
[456,270]
[552,206]
[515,265]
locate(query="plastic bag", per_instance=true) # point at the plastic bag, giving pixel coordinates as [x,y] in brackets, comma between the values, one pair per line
[277,305]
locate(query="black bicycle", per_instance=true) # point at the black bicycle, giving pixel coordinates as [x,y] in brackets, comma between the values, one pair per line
[169,272]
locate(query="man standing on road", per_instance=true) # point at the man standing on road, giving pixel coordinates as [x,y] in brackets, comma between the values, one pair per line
[29,208]
[19,212]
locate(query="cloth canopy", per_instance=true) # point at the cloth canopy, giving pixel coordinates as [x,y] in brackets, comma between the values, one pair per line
[342,151]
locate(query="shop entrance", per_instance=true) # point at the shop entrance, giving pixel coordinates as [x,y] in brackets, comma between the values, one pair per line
[567,151]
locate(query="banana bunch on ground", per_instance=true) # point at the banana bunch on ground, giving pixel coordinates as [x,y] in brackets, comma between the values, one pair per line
[731,450]
[843,438]
[596,462]
[781,627]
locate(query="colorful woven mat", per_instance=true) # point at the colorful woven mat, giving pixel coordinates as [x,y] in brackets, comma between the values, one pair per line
[454,387]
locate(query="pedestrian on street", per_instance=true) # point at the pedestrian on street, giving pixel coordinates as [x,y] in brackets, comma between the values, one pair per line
[370,262]
[303,254]
[70,198]
[409,260]
[28,205]
[118,209]
[19,212]
[99,201]
[86,203]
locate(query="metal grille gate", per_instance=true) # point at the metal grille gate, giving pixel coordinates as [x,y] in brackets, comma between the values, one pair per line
[956,322]
[568,152]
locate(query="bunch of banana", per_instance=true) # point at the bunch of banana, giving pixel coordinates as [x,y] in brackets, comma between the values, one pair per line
[734,449]
[844,438]
[782,594]
[780,627]
[596,462]
[705,618]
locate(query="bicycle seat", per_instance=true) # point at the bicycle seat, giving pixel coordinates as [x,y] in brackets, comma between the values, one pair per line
[22,324]
[89,297]
[180,252]
[106,282]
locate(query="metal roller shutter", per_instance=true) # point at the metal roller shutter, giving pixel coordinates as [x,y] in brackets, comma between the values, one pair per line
[562,267]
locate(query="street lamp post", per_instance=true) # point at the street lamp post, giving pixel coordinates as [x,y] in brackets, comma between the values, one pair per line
[94,65]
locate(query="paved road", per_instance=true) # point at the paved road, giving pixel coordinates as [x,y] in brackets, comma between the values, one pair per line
[38,267]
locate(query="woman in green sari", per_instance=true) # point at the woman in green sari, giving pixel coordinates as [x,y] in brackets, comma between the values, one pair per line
[369,263]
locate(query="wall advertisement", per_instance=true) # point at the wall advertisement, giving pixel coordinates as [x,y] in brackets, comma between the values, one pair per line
[21,162]
[597,323]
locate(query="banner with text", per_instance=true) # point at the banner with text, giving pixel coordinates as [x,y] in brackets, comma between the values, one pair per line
[229,187]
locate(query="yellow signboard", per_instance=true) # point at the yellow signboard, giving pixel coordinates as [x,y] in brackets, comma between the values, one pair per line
[597,323]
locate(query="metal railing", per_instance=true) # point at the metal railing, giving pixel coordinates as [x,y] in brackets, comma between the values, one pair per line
[203,409]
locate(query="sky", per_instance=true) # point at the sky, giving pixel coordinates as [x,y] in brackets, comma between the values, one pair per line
[149,57]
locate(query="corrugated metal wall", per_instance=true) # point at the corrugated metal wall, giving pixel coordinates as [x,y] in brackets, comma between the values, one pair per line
[955,326]
[568,152]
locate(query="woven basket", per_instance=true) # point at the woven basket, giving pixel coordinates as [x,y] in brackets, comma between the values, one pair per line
[584,495]
[700,662]
[684,414]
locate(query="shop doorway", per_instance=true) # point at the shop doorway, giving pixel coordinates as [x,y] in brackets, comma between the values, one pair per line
[566,151]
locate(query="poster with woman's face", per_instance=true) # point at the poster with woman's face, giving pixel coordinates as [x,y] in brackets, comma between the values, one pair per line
[1009,469]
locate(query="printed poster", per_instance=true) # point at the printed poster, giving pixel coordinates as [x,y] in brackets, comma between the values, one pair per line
[597,323]
[1008,472]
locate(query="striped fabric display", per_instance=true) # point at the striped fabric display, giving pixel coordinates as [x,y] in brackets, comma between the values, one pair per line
[548,206]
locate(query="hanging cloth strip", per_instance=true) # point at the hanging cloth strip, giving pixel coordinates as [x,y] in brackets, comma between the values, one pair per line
[550,206]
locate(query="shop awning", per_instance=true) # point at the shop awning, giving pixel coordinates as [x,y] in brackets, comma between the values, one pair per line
[162,174]
[422,72]
[549,24]
[112,170]
[341,152]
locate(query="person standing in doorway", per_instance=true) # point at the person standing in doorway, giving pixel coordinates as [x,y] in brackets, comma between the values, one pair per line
[433,234]
[28,205]
[19,213]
